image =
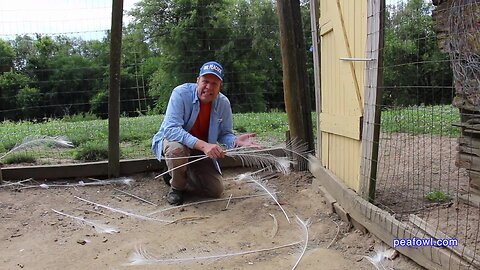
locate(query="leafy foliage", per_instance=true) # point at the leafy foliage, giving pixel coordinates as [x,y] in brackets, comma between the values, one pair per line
[413,62]
[438,196]
[7,55]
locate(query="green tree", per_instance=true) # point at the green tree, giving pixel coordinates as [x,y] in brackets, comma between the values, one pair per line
[183,34]
[7,54]
[71,84]
[10,83]
[252,56]
[28,100]
[413,62]
[241,34]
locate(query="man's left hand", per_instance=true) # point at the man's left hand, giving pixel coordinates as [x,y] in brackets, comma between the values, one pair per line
[246,141]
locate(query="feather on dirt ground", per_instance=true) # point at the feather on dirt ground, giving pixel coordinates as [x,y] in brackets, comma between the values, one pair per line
[34,237]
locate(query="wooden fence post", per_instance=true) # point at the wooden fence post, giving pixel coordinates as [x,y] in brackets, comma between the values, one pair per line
[295,86]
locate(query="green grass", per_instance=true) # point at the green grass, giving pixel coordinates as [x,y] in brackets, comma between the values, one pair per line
[436,120]
[90,137]
[20,157]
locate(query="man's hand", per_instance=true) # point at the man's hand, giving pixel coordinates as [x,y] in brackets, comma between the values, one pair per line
[210,149]
[246,141]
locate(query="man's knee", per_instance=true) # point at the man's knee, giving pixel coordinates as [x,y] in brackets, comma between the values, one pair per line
[175,149]
[216,191]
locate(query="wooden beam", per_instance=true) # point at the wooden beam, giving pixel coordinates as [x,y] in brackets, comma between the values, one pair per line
[344,125]
[314,19]
[460,249]
[295,80]
[373,100]
[470,162]
[114,90]
[79,170]
[100,168]
[382,224]
[470,142]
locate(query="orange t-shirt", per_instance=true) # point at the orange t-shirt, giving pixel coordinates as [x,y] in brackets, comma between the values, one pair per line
[200,128]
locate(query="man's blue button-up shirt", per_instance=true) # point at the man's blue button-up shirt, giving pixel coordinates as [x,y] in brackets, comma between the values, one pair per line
[182,112]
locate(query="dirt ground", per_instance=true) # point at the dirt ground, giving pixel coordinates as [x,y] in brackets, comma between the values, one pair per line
[412,166]
[249,232]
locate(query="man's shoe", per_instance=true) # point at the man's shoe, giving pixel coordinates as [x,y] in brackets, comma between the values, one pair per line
[166,178]
[175,197]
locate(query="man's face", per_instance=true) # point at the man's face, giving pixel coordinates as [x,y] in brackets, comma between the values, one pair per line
[208,87]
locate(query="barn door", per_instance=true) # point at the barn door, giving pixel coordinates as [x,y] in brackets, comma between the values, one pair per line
[343,32]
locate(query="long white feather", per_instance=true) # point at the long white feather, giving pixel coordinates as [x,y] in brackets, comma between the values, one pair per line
[248,159]
[141,257]
[35,141]
[173,169]
[123,180]
[205,201]
[379,258]
[252,177]
[254,157]
[99,227]
[123,212]
[258,157]
[304,225]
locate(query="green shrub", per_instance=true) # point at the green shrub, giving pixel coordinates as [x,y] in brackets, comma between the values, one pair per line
[438,196]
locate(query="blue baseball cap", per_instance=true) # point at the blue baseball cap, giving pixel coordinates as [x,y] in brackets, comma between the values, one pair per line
[212,67]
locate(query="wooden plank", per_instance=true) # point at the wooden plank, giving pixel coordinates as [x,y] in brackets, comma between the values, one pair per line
[346,126]
[99,169]
[88,169]
[470,198]
[328,198]
[468,150]
[381,224]
[468,161]
[314,18]
[326,28]
[460,250]
[466,125]
[373,96]
[471,142]
[474,180]
[473,131]
[349,55]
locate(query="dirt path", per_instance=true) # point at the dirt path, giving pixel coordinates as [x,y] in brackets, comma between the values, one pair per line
[35,237]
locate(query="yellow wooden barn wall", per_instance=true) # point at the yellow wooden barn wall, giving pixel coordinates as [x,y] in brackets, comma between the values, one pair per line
[342,84]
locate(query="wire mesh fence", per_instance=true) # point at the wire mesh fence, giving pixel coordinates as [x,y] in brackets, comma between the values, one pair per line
[427,157]
[54,71]
[428,162]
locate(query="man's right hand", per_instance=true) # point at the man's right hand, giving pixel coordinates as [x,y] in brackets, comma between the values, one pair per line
[210,149]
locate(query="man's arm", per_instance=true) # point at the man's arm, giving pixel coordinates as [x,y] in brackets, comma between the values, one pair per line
[210,149]
[174,122]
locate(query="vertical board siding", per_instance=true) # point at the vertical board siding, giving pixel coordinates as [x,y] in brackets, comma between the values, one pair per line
[341,86]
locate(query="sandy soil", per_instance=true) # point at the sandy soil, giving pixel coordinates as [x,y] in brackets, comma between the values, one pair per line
[412,166]
[33,236]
